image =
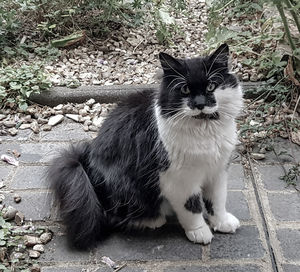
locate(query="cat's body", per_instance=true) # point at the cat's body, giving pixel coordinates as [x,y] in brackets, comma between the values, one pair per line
[156,153]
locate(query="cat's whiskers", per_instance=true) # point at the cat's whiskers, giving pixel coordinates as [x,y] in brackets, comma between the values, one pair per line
[174,80]
[221,51]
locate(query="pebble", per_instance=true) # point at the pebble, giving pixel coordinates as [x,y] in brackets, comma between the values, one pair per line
[19,218]
[2,116]
[24,126]
[12,131]
[58,107]
[42,121]
[34,254]
[46,237]
[40,248]
[83,112]
[54,120]
[258,156]
[35,127]
[90,102]
[17,198]
[10,213]
[46,127]
[31,240]
[35,268]
[93,128]
[67,109]
[97,121]
[74,117]
[9,123]
[86,128]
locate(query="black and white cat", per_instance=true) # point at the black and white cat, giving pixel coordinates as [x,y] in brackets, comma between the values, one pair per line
[157,152]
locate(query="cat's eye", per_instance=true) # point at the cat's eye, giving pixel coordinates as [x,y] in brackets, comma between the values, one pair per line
[211,87]
[185,90]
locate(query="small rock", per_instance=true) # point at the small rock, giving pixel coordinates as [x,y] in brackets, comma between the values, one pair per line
[12,131]
[90,102]
[87,122]
[34,254]
[46,127]
[42,121]
[54,120]
[17,198]
[27,118]
[93,128]
[19,218]
[10,213]
[258,156]
[58,107]
[1,184]
[67,109]
[2,197]
[24,126]
[9,123]
[35,127]
[74,117]
[39,248]
[2,116]
[46,237]
[83,112]
[253,77]
[35,268]
[17,255]
[97,121]
[86,128]
[245,77]
[31,240]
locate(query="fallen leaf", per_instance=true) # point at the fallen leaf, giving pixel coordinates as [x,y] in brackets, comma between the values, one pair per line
[9,160]
[289,72]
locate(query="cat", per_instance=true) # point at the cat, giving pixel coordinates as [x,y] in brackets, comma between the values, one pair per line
[158,152]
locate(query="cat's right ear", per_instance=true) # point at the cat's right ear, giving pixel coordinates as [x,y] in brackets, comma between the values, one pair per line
[169,64]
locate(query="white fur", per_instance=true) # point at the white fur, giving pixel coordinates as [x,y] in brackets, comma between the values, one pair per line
[199,151]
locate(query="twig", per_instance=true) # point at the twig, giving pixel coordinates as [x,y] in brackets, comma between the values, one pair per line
[290,7]
[294,111]
[119,268]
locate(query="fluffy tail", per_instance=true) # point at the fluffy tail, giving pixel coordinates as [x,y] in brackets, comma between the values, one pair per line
[79,206]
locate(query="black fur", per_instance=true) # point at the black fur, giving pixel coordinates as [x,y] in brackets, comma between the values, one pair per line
[193,204]
[114,179]
[209,206]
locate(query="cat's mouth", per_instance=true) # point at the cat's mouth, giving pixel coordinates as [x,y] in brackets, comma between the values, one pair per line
[210,116]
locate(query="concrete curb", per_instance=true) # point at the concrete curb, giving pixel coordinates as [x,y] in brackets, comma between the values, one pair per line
[102,94]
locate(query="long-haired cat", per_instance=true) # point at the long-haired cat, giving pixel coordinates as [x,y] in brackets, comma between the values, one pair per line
[157,152]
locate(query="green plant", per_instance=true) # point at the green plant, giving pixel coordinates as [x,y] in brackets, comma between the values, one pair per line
[17,84]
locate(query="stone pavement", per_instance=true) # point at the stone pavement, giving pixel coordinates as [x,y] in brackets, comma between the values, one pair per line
[268,240]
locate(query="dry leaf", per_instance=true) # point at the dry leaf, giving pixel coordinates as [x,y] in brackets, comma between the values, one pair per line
[289,72]
[9,159]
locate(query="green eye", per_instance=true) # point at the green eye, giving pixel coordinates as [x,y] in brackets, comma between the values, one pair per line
[211,87]
[185,90]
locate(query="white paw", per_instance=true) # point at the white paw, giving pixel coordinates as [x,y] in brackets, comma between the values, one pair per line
[201,235]
[152,224]
[227,223]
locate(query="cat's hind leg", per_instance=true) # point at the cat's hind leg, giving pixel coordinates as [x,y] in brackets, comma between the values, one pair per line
[214,197]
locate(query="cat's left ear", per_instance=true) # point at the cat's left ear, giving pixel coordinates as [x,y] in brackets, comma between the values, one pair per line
[169,64]
[221,55]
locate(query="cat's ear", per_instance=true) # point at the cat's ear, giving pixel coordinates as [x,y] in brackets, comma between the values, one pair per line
[168,63]
[221,55]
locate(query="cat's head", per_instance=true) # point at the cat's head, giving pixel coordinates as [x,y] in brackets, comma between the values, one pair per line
[199,88]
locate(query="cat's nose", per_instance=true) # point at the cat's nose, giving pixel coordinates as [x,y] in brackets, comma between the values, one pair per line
[199,102]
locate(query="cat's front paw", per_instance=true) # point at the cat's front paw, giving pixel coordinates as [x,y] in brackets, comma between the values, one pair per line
[201,235]
[227,223]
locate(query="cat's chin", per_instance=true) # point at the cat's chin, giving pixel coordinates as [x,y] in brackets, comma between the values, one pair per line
[210,116]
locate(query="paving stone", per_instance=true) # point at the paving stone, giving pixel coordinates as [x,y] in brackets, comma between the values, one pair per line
[23,135]
[223,268]
[271,177]
[76,269]
[4,172]
[237,205]
[245,243]
[34,152]
[236,177]
[30,177]
[285,207]
[290,243]
[166,243]
[282,145]
[66,132]
[290,268]
[58,251]
[34,205]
